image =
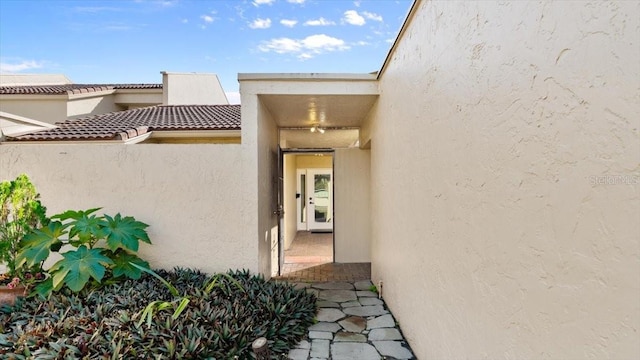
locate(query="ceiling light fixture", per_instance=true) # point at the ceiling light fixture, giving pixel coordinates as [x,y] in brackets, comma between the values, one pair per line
[317,128]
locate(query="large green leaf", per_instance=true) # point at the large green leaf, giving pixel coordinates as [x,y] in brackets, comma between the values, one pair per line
[36,246]
[79,265]
[87,227]
[123,264]
[125,232]
[73,214]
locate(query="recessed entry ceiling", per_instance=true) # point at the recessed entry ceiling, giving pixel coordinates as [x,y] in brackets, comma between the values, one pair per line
[330,139]
[323,110]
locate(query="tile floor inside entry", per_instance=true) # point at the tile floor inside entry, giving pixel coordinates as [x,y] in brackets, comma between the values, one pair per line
[310,248]
[310,259]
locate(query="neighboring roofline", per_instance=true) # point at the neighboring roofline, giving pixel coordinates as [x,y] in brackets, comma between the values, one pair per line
[26,120]
[307,76]
[405,25]
[158,134]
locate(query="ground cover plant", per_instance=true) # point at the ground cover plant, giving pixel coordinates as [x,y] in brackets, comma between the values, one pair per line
[220,321]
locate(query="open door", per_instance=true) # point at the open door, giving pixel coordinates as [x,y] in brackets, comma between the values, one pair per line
[279,212]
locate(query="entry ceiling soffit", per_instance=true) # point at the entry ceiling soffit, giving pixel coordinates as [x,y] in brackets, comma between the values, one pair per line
[304,111]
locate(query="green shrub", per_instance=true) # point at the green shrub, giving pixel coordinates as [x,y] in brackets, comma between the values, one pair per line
[80,236]
[104,323]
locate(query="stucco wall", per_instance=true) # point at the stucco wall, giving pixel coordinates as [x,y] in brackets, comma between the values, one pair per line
[85,106]
[352,206]
[505,177]
[190,195]
[314,162]
[192,89]
[259,175]
[49,110]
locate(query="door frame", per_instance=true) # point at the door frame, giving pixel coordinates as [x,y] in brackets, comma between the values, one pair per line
[280,197]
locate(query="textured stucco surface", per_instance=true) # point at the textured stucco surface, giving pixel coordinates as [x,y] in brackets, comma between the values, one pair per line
[49,111]
[259,151]
[192,89]
[89,105]
[190,195]
[505,157]
[352,204]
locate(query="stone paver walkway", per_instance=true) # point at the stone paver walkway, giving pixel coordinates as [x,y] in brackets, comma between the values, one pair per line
[353,324]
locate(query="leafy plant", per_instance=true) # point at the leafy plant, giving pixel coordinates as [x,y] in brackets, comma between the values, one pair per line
[179,305]
[101,323]
[20,212]
[76,235]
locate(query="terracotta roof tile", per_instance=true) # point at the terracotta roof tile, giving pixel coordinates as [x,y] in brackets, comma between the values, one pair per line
[70,88]
[126,124]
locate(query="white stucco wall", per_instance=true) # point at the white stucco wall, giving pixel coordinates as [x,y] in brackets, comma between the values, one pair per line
[190,195]
[352,206]
[81,106]
[192,89]
[259,163]
[49,109]
[505,153]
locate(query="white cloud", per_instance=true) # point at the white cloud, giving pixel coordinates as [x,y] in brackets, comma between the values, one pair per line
[372,16]
[207,18]
[319,22]
[305,48]
[356,3]
[322,42]
[288,23]
[296,1]
[260,23]
[281,46]
[352,17]
[21,66]
[185,21]
[263,2]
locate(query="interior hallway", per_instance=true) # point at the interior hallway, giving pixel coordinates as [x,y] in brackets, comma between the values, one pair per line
[310,258]
[310,248]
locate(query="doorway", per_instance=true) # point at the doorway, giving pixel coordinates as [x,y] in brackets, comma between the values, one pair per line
[308,209]
[314,200]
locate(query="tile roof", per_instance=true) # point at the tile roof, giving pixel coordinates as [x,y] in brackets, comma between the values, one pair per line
[70,88]
[123,125]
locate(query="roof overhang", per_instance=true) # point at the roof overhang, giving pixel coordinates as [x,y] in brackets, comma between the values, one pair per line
[304,100]
[300,104]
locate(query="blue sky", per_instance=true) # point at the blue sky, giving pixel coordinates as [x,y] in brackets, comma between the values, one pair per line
[131,41]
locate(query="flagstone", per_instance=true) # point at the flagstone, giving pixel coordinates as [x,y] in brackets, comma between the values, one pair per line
[393,349]
[385,334]
[353,324]
[334,286]
[353,351]
[329,315]
[384,321]
[370,301]
[337,295]
[363,285]
[349,336]
[325,326]
[374,310]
